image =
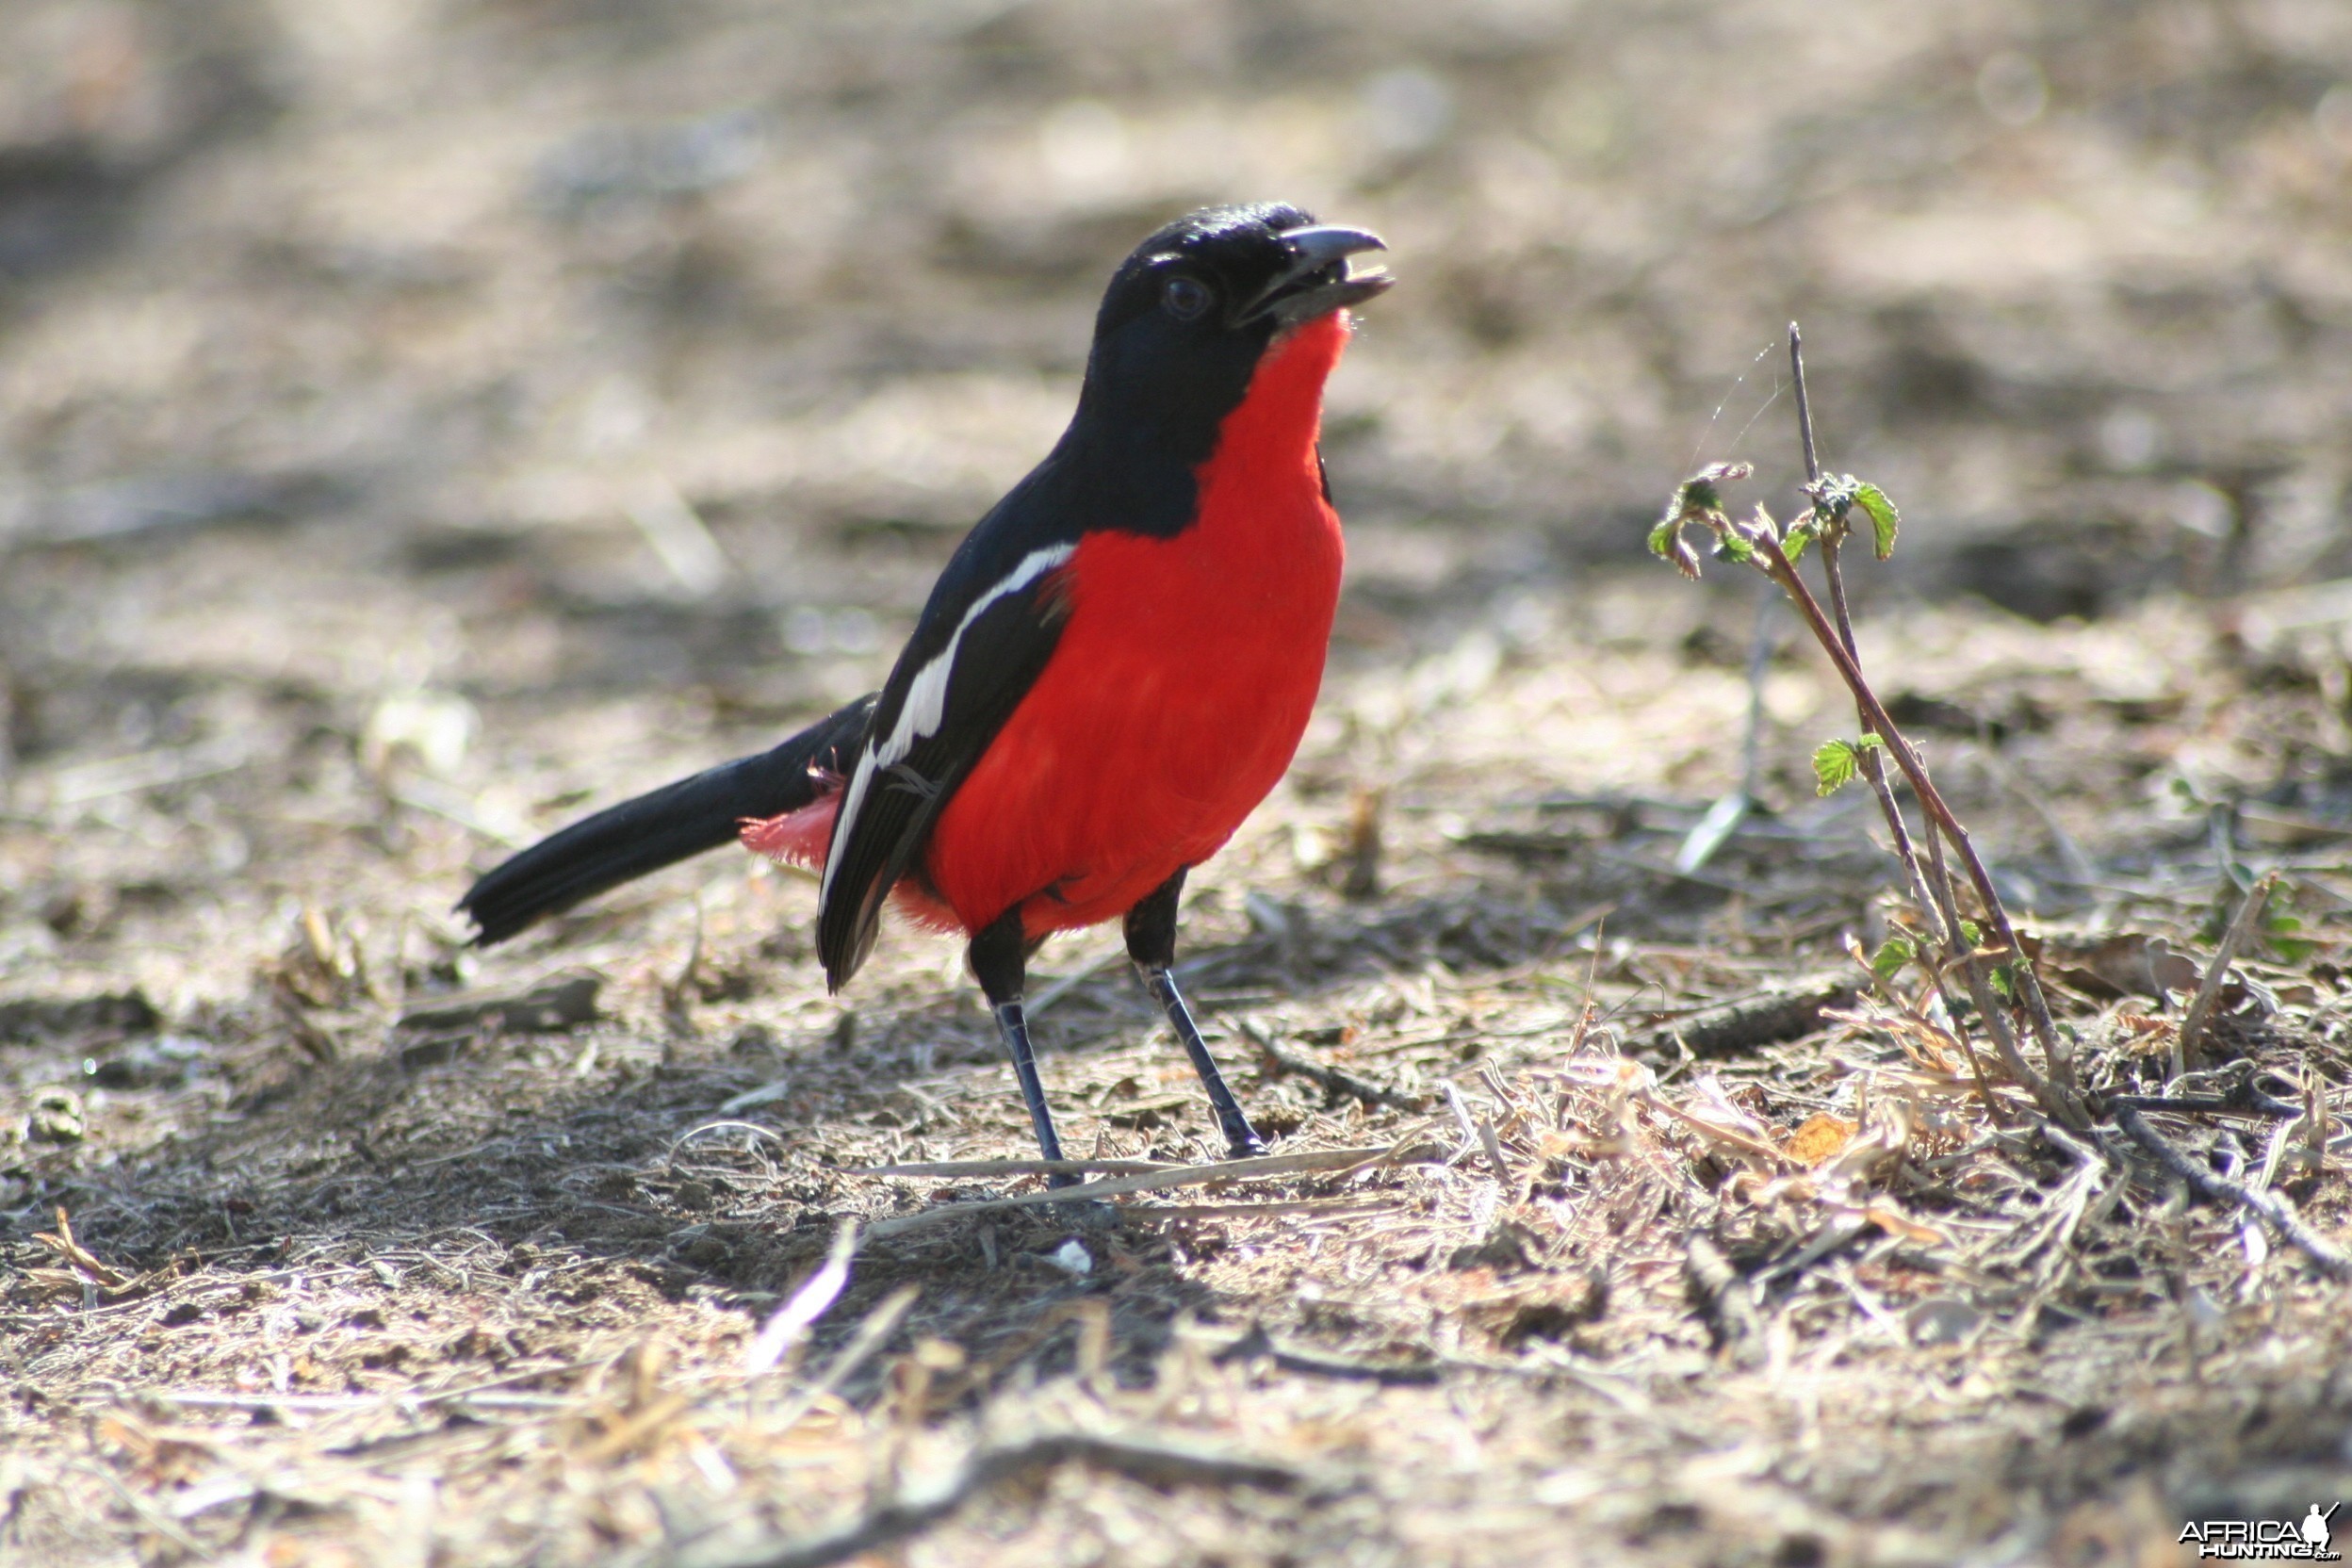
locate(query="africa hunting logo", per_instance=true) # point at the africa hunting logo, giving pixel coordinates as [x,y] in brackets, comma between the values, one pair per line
[2265,1540]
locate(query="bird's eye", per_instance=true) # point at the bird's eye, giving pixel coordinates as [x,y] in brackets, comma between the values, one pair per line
[1186,298]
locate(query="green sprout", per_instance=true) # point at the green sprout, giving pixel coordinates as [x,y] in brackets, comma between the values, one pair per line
[1835,763]
[1698,502]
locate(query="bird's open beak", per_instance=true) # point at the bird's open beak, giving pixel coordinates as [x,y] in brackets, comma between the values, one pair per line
[1318,281]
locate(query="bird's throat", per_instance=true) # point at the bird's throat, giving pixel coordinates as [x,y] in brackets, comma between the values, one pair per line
[1283,410]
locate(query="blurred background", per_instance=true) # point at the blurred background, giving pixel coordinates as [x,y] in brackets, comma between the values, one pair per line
[608,379]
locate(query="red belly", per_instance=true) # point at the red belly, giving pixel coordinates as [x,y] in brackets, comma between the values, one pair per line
[1174,700]
[1180,686]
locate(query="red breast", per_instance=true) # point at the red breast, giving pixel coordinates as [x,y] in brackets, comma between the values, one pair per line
[1182,683]
[1174,700]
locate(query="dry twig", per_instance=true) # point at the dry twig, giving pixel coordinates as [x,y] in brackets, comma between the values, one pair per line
[2221,1189]
[1153,1181]
[2217,973]
[1781,1012]
[1153,1464]
[1333,1080]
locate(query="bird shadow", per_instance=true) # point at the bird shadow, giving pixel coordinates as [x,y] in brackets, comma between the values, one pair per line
[589,1166]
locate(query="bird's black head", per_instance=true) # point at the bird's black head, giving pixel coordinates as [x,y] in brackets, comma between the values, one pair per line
[1190,312]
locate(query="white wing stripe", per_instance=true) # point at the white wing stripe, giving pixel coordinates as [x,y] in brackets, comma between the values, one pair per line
[926,700]
[925,707]
[850,799]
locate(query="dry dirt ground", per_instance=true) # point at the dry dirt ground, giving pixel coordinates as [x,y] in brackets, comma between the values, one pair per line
[419,423]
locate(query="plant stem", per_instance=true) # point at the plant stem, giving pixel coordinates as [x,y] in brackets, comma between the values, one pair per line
[1805,405]
[1936,907]
[2058,1096]
[1873,768]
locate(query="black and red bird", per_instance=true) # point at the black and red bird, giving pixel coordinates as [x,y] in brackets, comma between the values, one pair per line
[1112,672]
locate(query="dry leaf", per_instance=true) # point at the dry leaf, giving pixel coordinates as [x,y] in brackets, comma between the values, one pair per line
[1822,1137]
[2127,965]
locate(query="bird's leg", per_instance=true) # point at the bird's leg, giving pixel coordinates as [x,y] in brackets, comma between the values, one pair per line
[1000,960]
[1152,943]
[1241,1139]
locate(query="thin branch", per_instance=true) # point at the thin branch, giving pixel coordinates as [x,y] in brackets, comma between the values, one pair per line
[906,1514]
[1308,1162]
[1333,1080]
[2218,973]
[2220,1188]
[1805,405]
[1258,1344]
[1972,966]
[1837,640]
[1941,922]
[1017,1168]
[2211,1104]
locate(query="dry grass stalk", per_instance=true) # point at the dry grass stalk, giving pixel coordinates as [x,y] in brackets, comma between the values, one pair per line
[2191,1037]
[1151,1181]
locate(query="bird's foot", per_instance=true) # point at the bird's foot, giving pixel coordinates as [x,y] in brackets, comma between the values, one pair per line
[1086,1214]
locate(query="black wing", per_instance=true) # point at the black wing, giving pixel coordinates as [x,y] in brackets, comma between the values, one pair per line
[991,624]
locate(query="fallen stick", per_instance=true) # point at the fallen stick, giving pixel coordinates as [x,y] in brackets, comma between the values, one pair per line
[1333,1080]
[1179,1176]
[1729,1028]
[1724,1300]
[2221,1188]
[1326,1208]
[552,1004]
[1150,1463]
[1019,1168]
[2211,1104]
[1258,1344]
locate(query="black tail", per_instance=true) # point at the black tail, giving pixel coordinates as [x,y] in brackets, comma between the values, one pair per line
[625,842]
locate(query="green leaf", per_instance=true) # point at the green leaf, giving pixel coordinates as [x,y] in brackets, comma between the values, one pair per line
[1836,496]
[2004,983]
[1698,502]
[2278,934]
[1834,765]
[1885,520]
[1833,498]
[1666,541]
[1798,538]
[1973,933]
[1891,955]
